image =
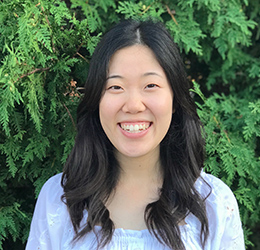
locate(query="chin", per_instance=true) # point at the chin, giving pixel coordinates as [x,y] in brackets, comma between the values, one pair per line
[135,153]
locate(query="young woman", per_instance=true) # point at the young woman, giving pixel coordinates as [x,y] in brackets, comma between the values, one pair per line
[134,178]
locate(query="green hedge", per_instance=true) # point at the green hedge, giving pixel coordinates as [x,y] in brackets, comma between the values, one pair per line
[45,48]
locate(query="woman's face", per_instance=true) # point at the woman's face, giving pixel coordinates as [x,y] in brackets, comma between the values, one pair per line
[137,105]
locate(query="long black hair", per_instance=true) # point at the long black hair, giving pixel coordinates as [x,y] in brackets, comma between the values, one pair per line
[91,171]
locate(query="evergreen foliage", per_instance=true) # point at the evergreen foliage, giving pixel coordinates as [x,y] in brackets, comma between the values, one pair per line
[45,48]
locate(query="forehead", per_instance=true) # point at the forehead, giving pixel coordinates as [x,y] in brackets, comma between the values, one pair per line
[134,58]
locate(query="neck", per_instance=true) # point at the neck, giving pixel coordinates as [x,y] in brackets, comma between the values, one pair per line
[146,168]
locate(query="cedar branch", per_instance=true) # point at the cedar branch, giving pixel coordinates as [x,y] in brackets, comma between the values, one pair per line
[78,49]
[69,115]
[146,9]
[32,72]
[170,13]
[82,56]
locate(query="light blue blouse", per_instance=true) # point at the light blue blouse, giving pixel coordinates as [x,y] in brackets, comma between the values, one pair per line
[51,228]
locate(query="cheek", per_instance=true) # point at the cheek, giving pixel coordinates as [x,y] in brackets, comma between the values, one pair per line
[108,109]
[163,107]
[103,111]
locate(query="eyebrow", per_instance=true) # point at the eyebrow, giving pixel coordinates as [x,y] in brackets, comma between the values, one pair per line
[114,76]
[152,74]
[145,74]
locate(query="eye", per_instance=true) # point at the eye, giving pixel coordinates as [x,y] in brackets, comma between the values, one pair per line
[115,87]
[151,86]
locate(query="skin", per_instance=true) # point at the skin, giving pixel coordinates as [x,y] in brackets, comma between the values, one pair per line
[137,92]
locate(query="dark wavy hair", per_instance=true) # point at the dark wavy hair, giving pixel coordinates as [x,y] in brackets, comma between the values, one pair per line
[91,171]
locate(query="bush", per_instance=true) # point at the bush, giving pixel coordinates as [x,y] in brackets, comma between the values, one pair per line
[45,51]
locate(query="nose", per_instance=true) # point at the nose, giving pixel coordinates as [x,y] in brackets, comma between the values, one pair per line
[134,103]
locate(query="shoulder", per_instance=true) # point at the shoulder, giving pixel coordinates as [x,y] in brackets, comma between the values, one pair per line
[222,211]
[53,183]
[52,189]
[49,218]
[214,189]
[49,199]
[220,200]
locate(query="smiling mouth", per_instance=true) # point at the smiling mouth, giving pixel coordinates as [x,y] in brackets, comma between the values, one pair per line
[135,128]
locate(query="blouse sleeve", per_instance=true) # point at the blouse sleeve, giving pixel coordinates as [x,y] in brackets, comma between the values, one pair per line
[225,226]
[232,236]
[46,221]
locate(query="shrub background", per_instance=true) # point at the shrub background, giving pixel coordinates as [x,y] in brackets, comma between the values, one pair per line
[45,48]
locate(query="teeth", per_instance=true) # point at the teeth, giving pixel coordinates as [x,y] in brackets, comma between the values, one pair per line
[134,128]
